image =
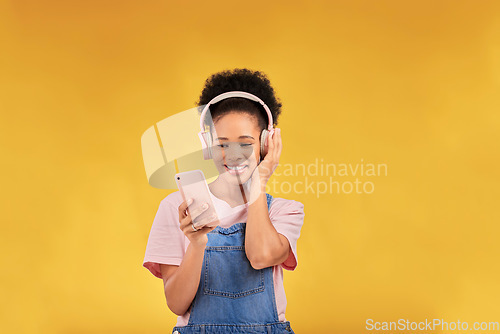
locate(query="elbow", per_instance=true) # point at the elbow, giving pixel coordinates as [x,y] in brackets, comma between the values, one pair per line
[178,313]
[175,310]
[258,262]
[261,259]
[256,265]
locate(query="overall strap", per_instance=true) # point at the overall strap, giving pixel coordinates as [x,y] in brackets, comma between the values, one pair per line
[269,200]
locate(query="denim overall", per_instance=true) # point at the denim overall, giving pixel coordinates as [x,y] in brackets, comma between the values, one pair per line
[232,296]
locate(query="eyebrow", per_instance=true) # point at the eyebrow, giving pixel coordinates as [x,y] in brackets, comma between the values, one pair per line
[240,137]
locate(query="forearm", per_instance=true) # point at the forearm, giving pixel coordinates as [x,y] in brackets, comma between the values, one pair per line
[181,287]
[261,238]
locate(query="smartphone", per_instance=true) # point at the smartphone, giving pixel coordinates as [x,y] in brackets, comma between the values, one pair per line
[192,184]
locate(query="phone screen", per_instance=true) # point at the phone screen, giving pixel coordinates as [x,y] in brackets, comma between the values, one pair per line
[192,184]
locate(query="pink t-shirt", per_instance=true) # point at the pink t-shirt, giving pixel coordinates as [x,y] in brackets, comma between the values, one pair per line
[167,243]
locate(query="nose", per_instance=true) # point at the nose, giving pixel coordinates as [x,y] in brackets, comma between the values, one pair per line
[233,159]
[234,155]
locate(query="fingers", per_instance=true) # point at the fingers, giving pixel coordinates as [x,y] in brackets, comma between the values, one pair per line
[183,211]
[270,145]
[188,215]
[187,224]
[206,221]
[275,145]
[183,207]
[195,212]
[205,229]
[278,144]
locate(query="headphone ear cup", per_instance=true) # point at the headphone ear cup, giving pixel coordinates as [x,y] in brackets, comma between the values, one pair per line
[209,143]
[264,136]
[206,144]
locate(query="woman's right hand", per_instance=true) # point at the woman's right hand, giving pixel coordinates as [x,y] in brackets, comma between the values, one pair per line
[198,237]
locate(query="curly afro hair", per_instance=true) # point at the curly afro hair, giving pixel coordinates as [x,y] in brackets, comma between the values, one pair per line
[241,79]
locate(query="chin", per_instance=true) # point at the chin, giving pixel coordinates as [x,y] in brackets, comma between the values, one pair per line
[235,180]
[236,175]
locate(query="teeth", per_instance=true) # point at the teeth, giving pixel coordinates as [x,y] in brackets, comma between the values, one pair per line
[236,168]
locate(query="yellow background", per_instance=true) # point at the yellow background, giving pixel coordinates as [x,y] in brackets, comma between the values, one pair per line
[412,84]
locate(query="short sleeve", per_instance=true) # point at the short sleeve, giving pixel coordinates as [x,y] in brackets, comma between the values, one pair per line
[287,217]
[166,242]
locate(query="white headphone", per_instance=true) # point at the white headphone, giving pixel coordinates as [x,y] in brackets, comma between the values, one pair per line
[206,136]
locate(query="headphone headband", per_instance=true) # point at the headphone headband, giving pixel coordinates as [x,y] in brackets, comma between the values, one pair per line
[236,93]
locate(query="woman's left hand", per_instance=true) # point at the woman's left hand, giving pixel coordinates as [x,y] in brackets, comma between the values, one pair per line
[265,169]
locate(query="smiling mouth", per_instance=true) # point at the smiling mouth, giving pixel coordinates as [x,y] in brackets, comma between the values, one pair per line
[236,170]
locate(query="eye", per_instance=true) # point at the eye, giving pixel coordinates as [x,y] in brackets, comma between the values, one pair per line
[245,145]
[222,145]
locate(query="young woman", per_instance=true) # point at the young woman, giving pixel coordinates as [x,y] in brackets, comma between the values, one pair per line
[229,278]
